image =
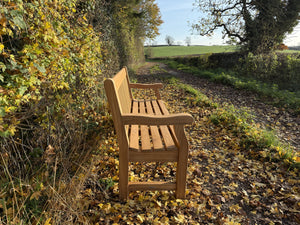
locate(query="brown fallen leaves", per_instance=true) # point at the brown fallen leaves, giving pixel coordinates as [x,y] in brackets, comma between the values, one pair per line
[225,183]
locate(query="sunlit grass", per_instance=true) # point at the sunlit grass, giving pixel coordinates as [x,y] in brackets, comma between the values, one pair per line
[169,51]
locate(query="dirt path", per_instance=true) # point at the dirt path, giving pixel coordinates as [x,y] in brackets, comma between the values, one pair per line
[283,121]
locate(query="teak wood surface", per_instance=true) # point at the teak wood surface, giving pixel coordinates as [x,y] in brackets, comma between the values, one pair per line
[146,132]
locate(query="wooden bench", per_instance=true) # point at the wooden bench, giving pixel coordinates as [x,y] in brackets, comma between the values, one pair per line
[146,132]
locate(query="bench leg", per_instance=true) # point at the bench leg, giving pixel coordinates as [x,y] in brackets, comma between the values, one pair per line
[123,174]
[181,163]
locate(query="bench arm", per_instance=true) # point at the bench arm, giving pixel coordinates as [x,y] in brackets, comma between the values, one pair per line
[146,86]
[155,87]
[146,119]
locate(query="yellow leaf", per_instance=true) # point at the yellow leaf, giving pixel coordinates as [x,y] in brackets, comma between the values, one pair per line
[158,203]
[35,195]
[235,208]
[205,118]
[1,47]
[48,222]
[10,212]
[165,197]
[165,220]
[180,218]
[141,218]
[234,185]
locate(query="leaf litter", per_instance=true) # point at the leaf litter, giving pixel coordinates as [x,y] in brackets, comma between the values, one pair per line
[225,183]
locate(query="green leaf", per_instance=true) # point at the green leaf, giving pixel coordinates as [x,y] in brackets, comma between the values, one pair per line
[40,68]
[22,90]
[18,20]
[2,112]
[2,66]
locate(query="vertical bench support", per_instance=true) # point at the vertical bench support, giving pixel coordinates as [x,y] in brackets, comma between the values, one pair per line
[182,162]
[123,170]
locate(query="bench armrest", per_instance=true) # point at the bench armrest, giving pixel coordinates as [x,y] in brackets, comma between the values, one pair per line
[146,119]
[146,86]
[155,87]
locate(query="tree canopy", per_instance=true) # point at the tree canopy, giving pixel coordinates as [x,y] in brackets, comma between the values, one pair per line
[258,25]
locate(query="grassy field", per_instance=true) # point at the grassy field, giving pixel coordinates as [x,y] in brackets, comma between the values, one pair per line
[168,51]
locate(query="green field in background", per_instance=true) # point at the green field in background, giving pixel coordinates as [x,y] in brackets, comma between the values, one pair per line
[168,51]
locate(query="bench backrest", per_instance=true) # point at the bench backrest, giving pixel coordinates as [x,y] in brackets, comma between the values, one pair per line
[120,98]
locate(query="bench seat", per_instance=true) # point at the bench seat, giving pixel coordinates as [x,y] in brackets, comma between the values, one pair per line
[151,138]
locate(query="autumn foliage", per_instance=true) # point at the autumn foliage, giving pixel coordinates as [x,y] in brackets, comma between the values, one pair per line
[282,47]
[54,56]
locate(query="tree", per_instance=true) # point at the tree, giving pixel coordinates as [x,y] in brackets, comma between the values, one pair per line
[169,40]
[188,41]
[125,26]
[258,25]
[151,18]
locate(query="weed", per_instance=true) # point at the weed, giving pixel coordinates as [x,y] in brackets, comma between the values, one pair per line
[107,182]
[157,69]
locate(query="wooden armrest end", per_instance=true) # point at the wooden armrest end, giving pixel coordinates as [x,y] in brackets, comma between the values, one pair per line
[146,119]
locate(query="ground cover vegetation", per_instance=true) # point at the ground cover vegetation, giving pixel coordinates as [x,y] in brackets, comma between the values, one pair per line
[54,56]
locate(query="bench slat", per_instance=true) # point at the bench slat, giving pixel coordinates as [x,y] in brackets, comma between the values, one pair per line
[156,138]
[168,140]
[134,130]
[145,137]
[166,112]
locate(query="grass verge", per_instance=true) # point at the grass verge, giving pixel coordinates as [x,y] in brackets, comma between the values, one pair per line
[258,141]
[269,93]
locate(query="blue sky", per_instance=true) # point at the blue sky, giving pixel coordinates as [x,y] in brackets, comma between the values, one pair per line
[179,14]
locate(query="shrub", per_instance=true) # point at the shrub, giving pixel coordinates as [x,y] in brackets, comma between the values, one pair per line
[281,69]
[52,108]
